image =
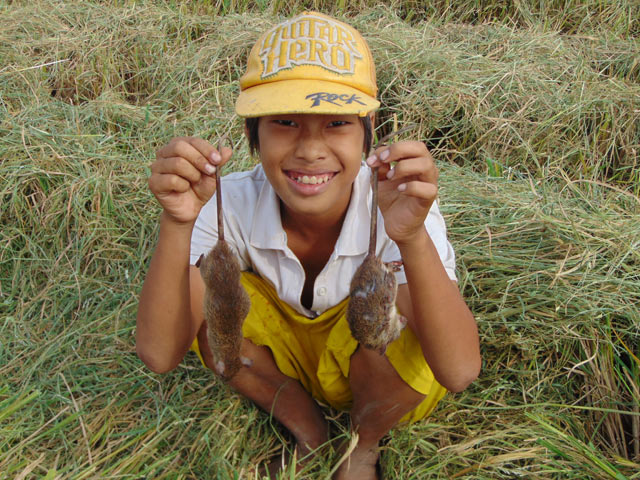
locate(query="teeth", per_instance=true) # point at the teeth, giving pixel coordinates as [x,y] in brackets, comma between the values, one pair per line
[312,180]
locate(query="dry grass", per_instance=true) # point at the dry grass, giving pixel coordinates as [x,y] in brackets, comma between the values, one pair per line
[535,122]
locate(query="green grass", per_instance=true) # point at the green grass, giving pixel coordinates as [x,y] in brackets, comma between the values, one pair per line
[533,114]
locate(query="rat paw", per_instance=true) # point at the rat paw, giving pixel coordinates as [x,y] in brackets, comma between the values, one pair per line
[220,368]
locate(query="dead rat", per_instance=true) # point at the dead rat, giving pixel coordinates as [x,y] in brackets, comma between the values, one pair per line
[372,315]
[226,303]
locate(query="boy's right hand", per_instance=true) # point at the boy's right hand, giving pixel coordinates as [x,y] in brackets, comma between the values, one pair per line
[183,176]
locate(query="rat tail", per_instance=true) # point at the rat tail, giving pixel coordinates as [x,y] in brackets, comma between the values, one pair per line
[374,188]
[374,212]
[219,196]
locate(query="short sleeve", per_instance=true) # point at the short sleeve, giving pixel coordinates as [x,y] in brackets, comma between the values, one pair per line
[437,230]
[205,231]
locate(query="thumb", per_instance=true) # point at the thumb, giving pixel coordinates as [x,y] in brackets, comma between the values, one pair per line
[206,186]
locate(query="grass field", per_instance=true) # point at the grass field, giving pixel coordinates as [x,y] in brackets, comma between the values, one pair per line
[532,110]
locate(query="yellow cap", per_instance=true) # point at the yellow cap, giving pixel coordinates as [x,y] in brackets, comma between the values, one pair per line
[309,64]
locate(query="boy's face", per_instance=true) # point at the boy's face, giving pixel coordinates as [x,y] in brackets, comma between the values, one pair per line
[312,161]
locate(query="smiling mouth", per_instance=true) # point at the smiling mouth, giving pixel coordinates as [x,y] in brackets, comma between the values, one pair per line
[309,179]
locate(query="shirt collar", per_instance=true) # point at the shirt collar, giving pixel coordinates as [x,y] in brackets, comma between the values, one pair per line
[266,230]
[354,237]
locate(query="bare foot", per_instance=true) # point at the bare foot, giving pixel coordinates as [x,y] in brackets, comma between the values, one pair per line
[360,465]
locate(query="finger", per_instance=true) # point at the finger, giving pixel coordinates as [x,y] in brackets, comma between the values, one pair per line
[225,153]
[422,190]
[383,170]
[166,183]
[401,150]
[397,152]
[217,156]
[207,150]
[199,157]
[168,150]
[421,168]
[177,166]
[205,188]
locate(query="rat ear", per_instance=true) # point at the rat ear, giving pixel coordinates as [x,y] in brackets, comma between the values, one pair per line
[199,260]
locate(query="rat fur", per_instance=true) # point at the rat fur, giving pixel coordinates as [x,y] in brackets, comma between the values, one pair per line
[226,303]
[372,314]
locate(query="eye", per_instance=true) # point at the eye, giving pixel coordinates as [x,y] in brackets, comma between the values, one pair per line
[338,123]
[285,122]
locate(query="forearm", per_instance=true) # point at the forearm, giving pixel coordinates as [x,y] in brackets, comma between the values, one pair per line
[439,316]
[164,323]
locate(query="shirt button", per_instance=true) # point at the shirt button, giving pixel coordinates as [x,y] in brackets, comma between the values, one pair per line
[322,291]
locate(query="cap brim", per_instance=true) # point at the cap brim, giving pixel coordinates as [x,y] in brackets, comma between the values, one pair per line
[304,96]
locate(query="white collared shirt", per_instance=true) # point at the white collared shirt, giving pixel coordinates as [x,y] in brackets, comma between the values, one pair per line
[253,228]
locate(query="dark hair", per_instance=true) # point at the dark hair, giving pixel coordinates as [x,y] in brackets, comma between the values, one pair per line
[254,143]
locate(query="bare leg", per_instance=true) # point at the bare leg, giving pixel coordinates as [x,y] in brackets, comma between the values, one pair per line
[380,399]
[282,396]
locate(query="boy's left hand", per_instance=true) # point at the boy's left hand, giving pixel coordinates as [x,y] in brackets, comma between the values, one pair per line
[407,190]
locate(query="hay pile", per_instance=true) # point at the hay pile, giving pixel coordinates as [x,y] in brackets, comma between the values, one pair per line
[536,127]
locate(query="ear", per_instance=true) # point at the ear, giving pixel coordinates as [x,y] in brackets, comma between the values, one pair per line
[372,117]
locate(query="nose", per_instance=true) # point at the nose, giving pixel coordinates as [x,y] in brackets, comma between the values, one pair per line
[311,145]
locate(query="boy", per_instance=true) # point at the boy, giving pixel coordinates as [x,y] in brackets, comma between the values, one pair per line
[299,223]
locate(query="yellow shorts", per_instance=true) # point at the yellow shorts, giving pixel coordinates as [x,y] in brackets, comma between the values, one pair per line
[317,351]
